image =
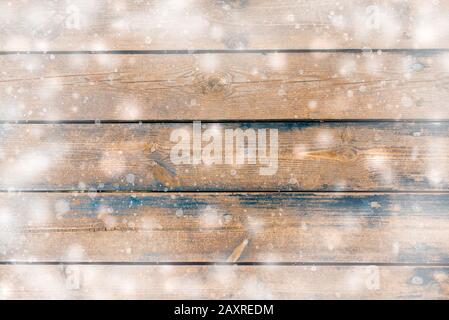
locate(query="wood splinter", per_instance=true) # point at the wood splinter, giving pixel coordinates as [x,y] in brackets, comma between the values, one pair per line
[238,251]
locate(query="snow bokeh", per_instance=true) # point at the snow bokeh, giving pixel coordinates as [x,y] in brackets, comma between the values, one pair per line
[59,87]
[46,23]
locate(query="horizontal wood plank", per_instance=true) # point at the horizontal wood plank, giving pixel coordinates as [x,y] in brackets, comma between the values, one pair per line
[260,227]
[223,282]
[238,86]
[311,157]
[226,24]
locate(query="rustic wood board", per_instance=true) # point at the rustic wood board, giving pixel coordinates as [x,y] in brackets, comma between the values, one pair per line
[260,227]
[223,282]
[361,156]
[227,24]
[92,205]
[237,86]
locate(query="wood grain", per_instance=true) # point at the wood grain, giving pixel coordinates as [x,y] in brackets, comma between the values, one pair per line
[223,282]
[226,24]
[238,86]
[337,156]
[108,202]
[191,227]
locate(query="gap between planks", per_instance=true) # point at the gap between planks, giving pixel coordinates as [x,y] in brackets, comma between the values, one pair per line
[260,51]
[218,121]
[223,264]
[140,192]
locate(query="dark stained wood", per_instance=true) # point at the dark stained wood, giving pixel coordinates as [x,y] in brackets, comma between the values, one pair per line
[370,85]
[312,156]
[223,282]
[240,227]
[226,24]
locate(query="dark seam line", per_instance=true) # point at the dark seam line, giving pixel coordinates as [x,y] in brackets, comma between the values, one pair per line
[227,51]
[280,264]
[148,121]
[228,191]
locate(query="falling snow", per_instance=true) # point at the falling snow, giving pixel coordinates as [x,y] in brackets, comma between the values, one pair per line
[85,163]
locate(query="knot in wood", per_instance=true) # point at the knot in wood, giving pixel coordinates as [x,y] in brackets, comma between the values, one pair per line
[235,4]
[213,83]
[348,153]
[237,41]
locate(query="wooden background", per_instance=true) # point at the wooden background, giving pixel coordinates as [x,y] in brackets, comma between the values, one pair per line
[92,207]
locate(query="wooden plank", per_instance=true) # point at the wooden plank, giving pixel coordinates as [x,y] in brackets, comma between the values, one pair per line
[141,157]
[229,24]
[223,282]
[239,86]
[273,227]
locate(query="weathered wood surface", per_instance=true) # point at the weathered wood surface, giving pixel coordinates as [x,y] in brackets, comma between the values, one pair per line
[370,85]
[227,24]
[312,156]
[240,227]
[223,282]
[347,60]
